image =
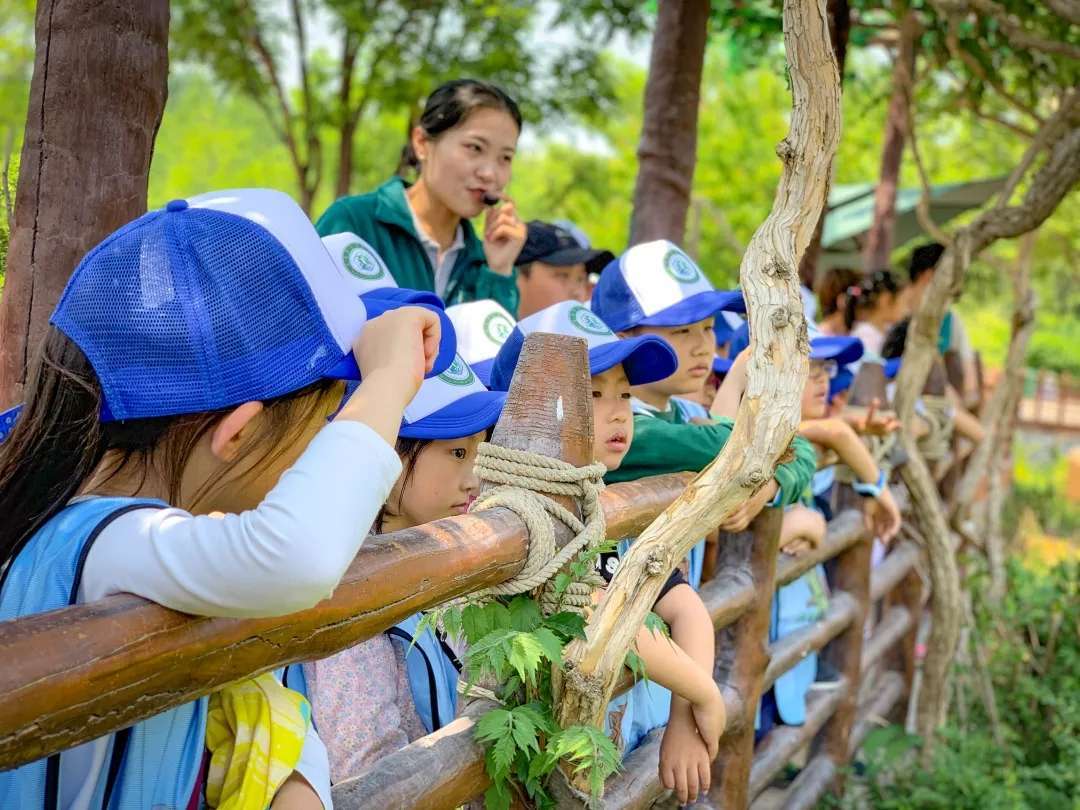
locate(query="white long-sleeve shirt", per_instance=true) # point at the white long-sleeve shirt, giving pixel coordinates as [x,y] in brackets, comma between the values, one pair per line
[285,555]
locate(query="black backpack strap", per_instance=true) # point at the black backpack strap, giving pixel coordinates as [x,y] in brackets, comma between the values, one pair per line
[433,690]
[123,737]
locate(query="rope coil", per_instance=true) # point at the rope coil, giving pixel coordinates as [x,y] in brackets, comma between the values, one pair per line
[525,483]
[938,413]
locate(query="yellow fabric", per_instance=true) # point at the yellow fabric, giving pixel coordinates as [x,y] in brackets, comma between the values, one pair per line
[255,732]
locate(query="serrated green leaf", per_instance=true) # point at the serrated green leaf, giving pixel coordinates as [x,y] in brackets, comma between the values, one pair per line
[654,624]
[566,624]
[562,582]
[493,725]
[550,644]
[502,757]
[540,717]
[497,797]
[525,656]
[524,614]
[524,732]
[636,665]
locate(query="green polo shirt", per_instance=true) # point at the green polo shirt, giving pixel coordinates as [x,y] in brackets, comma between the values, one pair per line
[664,443]
[384,220]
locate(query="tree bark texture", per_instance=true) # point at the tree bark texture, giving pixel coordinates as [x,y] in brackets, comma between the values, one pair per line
[995,417]
[879,239]
[839,12]
[769,413]
[1049,185]
[96,100]
[668,149]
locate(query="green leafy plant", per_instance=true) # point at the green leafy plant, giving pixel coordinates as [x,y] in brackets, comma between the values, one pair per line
[512,649]
[1033,644]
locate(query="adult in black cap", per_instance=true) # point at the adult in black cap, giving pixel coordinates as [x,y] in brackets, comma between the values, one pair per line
[554,265]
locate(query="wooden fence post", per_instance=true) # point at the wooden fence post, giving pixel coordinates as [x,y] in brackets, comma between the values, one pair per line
[850,574]
[742,655]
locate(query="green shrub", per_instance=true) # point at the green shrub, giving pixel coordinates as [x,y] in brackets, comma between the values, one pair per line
[1033,646]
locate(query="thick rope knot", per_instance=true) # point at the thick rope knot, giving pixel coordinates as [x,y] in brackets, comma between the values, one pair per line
[880,448]
[938,413]
[525,483]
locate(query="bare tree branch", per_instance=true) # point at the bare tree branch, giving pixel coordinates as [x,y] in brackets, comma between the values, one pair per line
[5,178]
[990,118]
[994,415]
[1067,115]
[1066,9]
[962,55]
[922,208]
[1019,35]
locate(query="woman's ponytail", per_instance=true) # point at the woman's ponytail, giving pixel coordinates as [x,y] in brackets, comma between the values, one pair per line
[852,297]
[55,445]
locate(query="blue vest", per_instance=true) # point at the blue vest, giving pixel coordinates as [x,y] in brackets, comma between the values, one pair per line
[797,605]
[432,671]
[154,763]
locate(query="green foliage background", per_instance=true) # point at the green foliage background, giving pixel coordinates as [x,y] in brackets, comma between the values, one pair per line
[1033,646]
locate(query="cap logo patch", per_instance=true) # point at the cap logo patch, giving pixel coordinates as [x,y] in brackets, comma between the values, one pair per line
[458,373]
[587,321]
[360,263]
[680,267]
[497,327]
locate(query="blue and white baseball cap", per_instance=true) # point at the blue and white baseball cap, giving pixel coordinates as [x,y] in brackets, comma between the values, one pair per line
[841,382]
[210,302]
[7,421]
[482,328]
[366,272]
[646,358]
[452,405]
[722,365]
[842,349]
[657,284]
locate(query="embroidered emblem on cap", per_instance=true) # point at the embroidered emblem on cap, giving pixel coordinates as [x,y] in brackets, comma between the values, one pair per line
[458,373]
[359,262]
[497,327]
[681,267]
[587,321]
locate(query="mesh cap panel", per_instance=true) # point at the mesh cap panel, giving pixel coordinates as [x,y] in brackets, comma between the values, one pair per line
[194,310]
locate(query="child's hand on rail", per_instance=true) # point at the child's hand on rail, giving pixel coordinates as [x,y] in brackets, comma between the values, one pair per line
[750,508]
[711,719]
[684,757]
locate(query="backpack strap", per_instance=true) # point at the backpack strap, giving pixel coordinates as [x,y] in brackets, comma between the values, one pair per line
[121,738]
[433,689]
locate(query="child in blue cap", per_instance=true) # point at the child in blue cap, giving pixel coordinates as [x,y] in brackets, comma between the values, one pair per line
[381,694]
[189,368]
[802,602]
[694,716]
[655,288]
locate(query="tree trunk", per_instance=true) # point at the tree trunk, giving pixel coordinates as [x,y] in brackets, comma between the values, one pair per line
[996,415]
[96,101]
[839,12]
[1045,192]
[768,415]
[879,239]
[668,148]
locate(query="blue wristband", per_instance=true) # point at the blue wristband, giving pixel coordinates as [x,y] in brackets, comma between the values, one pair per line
[871,490]
[778,498]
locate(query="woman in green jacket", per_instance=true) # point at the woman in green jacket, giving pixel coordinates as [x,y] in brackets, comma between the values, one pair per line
[463,147]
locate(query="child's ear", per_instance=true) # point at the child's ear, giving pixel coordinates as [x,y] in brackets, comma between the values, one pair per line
[230,432]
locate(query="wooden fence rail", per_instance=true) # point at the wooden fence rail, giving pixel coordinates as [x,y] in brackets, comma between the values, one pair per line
[75,674]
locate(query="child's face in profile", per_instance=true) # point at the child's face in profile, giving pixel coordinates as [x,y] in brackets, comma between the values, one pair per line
[613,421]
[815,399]
[442,483]
[695,346]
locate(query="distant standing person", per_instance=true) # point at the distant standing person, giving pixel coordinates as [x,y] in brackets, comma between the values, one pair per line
[463,148]
[554,266]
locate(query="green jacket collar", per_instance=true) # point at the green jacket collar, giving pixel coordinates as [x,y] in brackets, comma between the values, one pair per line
[391,208]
